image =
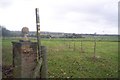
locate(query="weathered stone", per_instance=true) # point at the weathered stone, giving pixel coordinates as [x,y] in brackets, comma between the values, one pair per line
[24,59]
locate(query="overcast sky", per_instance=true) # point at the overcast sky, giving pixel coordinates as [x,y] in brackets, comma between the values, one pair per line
[71,16]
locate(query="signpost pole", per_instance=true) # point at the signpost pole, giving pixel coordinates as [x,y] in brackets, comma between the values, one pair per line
[38,32]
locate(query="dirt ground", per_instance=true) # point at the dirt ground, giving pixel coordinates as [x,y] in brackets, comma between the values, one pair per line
[7,71]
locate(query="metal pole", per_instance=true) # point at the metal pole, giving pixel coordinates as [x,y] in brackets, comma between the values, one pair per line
[38,31]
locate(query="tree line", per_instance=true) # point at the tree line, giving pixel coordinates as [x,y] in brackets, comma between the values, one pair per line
[7,33]
[4,32]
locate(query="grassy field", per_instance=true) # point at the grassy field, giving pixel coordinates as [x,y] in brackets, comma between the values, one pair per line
[66,60]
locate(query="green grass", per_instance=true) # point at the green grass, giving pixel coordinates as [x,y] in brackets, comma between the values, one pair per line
[65,62]
[6,52]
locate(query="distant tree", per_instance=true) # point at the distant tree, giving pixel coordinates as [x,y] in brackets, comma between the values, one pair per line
[76,35]
[5,32]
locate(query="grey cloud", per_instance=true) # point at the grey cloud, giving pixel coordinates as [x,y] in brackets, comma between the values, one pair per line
[5,3]
[109,14]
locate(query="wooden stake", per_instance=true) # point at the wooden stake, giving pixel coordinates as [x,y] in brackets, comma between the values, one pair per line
[38,32]
[94,47]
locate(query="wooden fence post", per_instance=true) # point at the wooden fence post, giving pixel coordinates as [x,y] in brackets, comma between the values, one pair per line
[43,72]
[94,47]
[81,46]
[69,44]
[74,46]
